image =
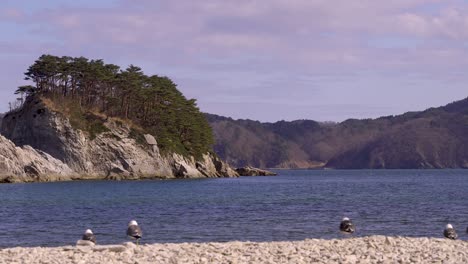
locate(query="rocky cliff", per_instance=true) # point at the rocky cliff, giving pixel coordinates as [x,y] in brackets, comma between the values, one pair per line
[28,165]
[434,138]
[118,151]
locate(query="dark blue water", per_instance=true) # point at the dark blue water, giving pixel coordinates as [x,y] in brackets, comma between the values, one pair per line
[292,206]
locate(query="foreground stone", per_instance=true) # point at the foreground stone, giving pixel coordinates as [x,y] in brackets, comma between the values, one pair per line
[251,171]
[375,249]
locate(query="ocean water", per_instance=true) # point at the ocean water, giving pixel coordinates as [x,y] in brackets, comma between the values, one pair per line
[295,205]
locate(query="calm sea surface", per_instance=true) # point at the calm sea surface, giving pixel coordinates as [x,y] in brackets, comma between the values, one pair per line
[292,206]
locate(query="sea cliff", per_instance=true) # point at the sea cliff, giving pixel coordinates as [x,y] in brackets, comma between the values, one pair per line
[41,144]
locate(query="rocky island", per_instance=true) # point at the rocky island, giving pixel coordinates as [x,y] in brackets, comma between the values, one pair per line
[84,119]
[251,171]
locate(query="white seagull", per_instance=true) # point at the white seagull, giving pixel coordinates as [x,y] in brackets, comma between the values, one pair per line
[134,231]
[89,236]
[449,232]
[346,226]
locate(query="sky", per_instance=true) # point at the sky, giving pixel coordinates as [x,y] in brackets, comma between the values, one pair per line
[266,60]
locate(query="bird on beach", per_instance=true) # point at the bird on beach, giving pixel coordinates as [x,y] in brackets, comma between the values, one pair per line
[89,236]
[449,232]
[134,231]
[346,226]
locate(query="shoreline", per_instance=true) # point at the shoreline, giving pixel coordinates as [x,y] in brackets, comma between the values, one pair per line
[371,249]
[91,178]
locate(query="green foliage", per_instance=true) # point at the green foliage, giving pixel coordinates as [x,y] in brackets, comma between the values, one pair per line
[95,125]
[138,136]
[80,118]
[151,102]
[25,89]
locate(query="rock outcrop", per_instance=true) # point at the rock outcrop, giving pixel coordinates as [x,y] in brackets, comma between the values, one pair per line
[29,165]
[251,171]
[117,152]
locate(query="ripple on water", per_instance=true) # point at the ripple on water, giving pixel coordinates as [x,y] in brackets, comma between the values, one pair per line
[292,206]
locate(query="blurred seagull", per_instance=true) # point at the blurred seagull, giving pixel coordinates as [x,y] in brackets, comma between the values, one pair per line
[89,236]
[346,226]
[449,232]
[134,231]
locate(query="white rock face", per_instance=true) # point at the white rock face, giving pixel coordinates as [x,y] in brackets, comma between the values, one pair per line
[114,154]
[27,164]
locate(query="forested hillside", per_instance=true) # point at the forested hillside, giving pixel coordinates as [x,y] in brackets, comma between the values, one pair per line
[90,91]
[435,138]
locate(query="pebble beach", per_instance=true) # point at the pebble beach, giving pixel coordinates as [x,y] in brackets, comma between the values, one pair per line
[373,249]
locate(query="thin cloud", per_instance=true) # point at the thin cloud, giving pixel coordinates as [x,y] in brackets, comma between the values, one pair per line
[202,42]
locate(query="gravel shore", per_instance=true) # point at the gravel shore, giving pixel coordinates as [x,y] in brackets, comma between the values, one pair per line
[374,249]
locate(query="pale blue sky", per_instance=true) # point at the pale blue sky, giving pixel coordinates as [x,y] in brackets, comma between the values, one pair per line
[266,59]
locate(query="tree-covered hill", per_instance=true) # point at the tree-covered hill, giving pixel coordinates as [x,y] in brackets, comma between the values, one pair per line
[91,90]
[435,138]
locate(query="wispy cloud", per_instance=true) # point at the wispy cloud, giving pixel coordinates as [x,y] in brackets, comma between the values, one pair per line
[215,49]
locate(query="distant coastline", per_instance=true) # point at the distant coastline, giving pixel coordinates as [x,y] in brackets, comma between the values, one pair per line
[432,139]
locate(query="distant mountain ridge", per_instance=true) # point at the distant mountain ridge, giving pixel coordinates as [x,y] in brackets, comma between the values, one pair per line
[434,138]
